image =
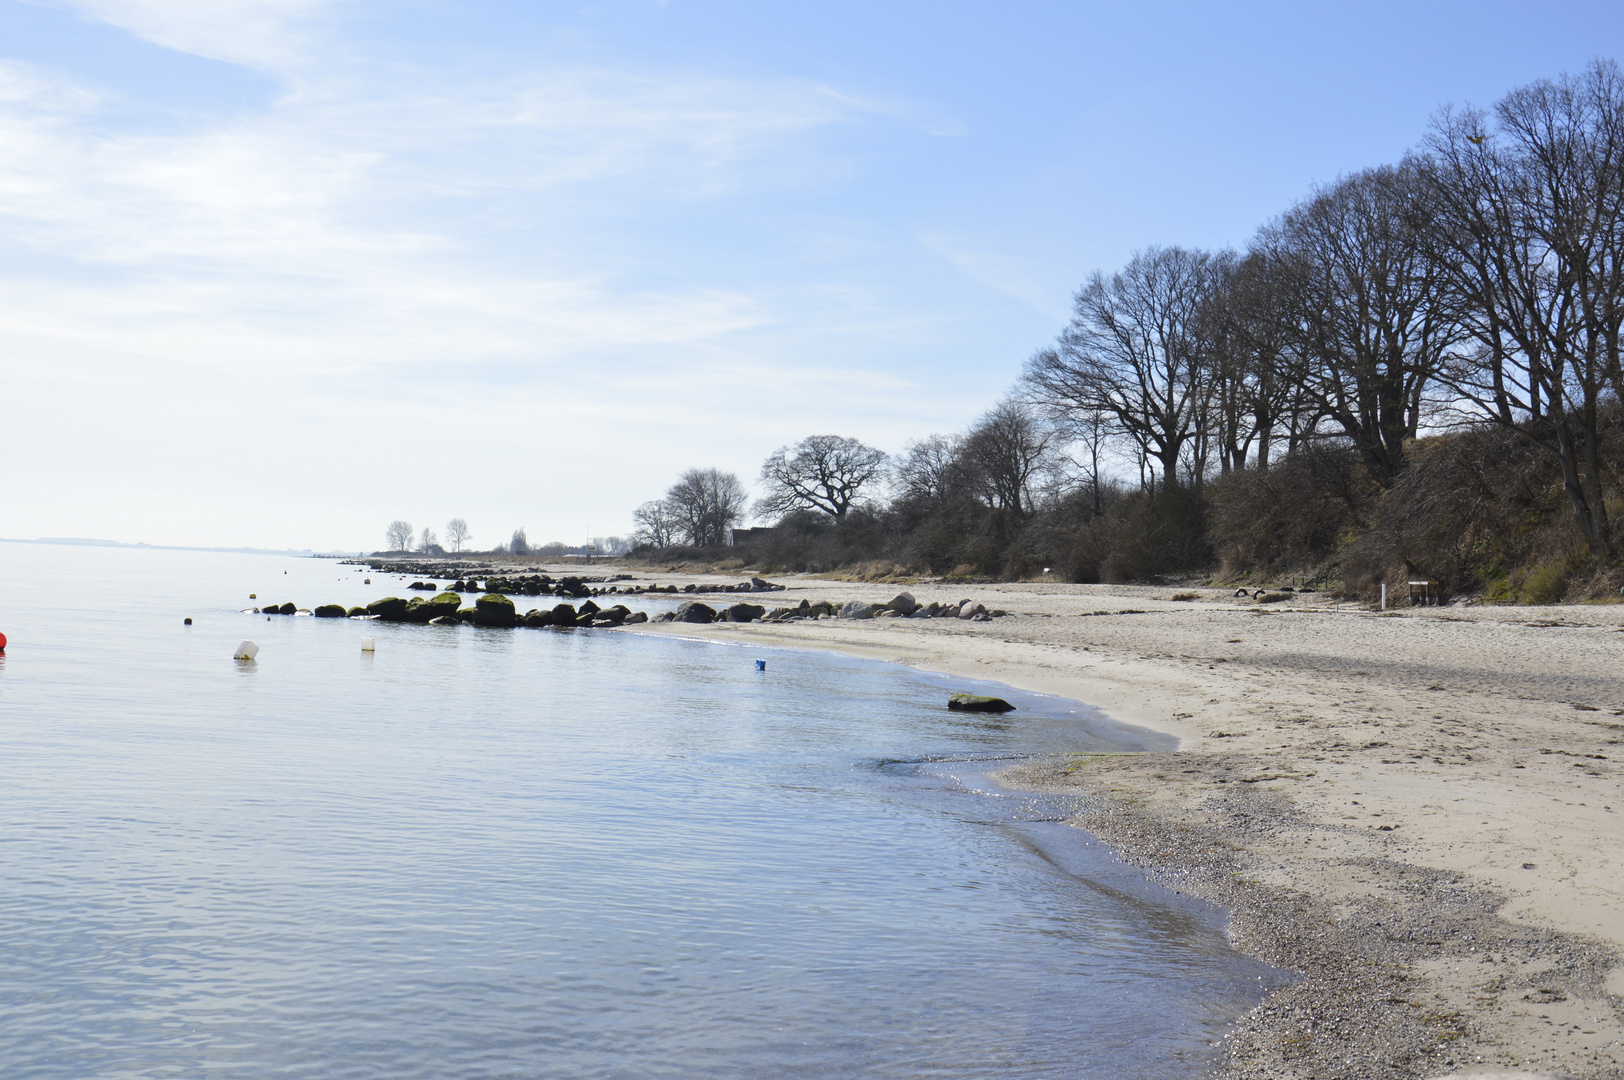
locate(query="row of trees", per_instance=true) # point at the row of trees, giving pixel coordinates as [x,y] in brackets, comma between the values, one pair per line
[1477,283]
[1481,279]
[399,537]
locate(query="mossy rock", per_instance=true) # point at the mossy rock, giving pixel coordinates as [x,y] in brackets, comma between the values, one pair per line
[422,609]
[356,612]
[389,609]
[538,619]
[330,611]
[493,609]
[977,703]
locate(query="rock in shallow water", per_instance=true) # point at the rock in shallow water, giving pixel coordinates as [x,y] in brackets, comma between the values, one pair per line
[978,703]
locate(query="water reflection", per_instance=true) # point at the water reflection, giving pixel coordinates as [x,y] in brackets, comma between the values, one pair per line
[483,853]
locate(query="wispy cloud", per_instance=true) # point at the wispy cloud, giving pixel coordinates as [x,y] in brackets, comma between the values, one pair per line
[272,35]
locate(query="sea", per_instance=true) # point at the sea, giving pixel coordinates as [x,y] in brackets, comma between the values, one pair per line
[477,853]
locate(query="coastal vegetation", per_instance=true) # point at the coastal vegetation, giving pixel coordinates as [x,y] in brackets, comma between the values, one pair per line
[1412,372]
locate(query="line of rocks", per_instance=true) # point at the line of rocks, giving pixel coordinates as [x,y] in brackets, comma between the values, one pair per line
[497,610]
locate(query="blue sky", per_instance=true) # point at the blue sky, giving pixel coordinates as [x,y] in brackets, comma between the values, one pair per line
[276,272]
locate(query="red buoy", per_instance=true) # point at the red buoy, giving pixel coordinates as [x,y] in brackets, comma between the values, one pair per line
[2,643]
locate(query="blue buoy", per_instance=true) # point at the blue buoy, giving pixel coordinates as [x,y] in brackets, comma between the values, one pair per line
[761,665]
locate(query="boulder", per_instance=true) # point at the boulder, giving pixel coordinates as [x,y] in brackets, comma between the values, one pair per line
[354,612]
[589,608]
[572,586]
[389,609]
[951,611]
[612,616]
[424,609]
[858,609]
[970,609]
[636,617]
[743,613]
[977,703]
[494,609]
[422,586]
[903,604]
[565,615]
[695,612]
[467,614]
[538,619]
[760,585]
[329,611]
[445,620]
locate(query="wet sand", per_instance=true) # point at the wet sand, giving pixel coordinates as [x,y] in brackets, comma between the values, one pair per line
[1420,810]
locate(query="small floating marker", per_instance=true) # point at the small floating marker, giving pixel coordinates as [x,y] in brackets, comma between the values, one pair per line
[368,581]
[246,651]
[369,645]
[253,596]
[188,621]
[761,665]
[2,643]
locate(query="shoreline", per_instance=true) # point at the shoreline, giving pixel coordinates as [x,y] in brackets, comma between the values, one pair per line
[1361,790]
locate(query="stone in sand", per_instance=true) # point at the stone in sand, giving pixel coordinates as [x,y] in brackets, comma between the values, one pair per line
[857,609]
[903,604]
[744,613]
[977,703]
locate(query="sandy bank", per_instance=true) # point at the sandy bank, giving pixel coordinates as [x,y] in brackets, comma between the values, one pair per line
[1421,811]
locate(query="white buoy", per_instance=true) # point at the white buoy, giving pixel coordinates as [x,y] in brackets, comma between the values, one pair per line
[368,645]
[246,651]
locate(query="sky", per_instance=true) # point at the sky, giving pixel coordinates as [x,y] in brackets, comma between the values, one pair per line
[278,272]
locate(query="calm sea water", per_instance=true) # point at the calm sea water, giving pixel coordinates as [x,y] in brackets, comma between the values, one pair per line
[539,854]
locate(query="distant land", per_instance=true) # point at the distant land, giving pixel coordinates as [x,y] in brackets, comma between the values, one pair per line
[79,541]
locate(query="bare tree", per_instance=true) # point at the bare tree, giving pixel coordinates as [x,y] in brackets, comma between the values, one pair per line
[520,544]
[656,524]
[1135,352]
[927,470]
[1003,454]
[428,543]
[1374,319]
[456,533]
[1533,215]
[399,535]
[821,472]
[705,504]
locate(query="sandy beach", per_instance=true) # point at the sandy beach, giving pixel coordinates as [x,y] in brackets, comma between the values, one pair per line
[1418,810]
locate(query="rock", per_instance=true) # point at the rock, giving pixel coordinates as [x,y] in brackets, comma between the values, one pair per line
[467,614]
[572,586]
[969,610]
[903,604]
[695,612]
[636,617]
[354,612]
[329,611]
[744,613]
[613,616]
[422,586]
[565,615]
[589,608]
[494,609]
[998,613]
[423,609]
[949,612]
[981,616]
[538,619]
[389,609]
[857,609]
[445,620]
[977,703]
[761,585]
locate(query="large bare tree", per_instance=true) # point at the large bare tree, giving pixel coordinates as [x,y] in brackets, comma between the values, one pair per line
[1003,453]
[1374,320]
[456,533]
[1137,351]
[706,503]
[1532,217]
[399,535]
[821,472]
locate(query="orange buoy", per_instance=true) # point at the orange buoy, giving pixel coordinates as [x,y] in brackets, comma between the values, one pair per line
[2,643]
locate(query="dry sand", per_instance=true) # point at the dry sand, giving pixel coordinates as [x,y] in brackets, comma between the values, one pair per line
[1420,811]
